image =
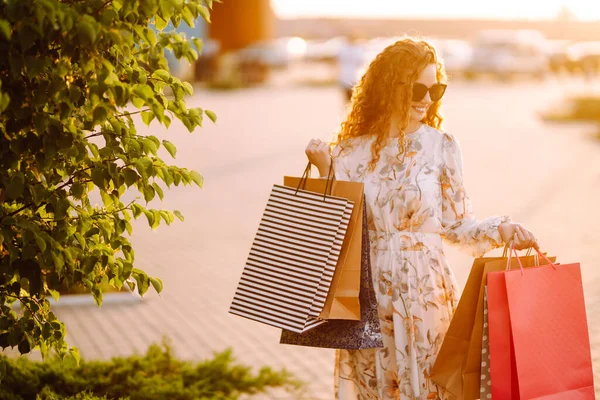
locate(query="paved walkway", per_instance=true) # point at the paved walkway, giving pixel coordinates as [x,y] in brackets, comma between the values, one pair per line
[547,177]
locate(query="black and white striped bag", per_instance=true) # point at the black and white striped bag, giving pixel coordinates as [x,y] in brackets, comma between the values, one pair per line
[291,263]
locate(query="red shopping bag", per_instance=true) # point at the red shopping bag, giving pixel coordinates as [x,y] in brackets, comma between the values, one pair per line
[503,371]
[550,336]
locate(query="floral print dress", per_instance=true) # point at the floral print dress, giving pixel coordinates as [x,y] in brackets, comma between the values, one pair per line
[413,204]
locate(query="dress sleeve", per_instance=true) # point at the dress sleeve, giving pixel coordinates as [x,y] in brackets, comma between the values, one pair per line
[458,222]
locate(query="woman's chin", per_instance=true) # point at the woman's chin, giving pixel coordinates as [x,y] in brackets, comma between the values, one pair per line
[417,116]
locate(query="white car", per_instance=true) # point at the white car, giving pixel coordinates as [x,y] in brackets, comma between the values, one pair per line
[324,50]
[276,53]
[507,53]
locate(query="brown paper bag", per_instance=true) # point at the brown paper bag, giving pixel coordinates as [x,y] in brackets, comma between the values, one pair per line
[458,364]
[342,300]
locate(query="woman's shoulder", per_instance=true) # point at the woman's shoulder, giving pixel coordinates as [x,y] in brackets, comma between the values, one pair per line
[436,133]
[447,140]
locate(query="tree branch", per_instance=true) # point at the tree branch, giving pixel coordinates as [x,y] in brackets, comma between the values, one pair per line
[132,113]
[103,6]
[93,135]
[20,298]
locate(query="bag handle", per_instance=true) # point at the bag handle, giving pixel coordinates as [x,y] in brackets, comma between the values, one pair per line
[513,251]
[328,184]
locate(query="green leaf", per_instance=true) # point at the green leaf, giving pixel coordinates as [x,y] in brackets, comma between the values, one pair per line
[15,188]
[130,176]
[204,13]
[178,215]
[106,198]
[74,354]
[94,149]
[157,284]
[167,216]
[5,29]
[41,123]
[3,362]
[55,295]
[198,43]
[98,177]
[197,178]
[158,190]
[163,75]
[142,280]
[170,148]
[143,90]
[149,193]
[150,36]
[128,227]
[77,190]
[4,101]
[189,89]
[178,91]
[80,239]
[24,347]
[188,17]
[40,242]
[99,115]
[160,23]
[87,32]
[147,117]
[149,146]
[137,210]
[211,115]
[143,165]
[150,217]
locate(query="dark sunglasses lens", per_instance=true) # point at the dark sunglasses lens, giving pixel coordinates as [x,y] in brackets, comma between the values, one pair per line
[437,91]
[419,91]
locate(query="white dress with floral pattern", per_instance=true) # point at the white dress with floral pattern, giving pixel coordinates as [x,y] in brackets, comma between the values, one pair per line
[413,203]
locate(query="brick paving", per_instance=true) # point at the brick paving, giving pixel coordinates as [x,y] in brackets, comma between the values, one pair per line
[546,176]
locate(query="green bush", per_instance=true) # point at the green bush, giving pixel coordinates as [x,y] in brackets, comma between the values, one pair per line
[579,108]
[157,375]
[50,395]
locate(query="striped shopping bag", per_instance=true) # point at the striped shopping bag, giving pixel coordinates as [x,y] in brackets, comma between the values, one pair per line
[292,259]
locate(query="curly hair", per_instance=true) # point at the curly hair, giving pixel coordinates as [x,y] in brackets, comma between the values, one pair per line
[392,72]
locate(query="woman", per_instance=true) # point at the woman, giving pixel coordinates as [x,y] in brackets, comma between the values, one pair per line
[391,141]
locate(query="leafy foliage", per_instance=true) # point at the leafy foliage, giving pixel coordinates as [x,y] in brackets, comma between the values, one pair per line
[157,375]
[72,75]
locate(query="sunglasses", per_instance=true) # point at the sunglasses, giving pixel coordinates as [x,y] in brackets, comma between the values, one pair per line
[436,91]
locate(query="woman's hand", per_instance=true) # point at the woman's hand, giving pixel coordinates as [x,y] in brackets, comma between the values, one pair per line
[319,155]
[523,239]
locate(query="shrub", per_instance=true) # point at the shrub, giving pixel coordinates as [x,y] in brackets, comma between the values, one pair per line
[157,375]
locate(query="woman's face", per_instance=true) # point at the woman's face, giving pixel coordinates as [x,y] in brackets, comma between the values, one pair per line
[418,109]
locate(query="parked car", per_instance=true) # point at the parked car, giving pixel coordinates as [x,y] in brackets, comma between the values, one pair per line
[507,53]
[276,53]
[558,56]
[585,57]
[324,50]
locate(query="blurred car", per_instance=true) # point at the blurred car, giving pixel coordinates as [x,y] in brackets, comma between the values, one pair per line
[558,56]
[507,53]
[324,50]
[584,57]
[277,53]
[456,54]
